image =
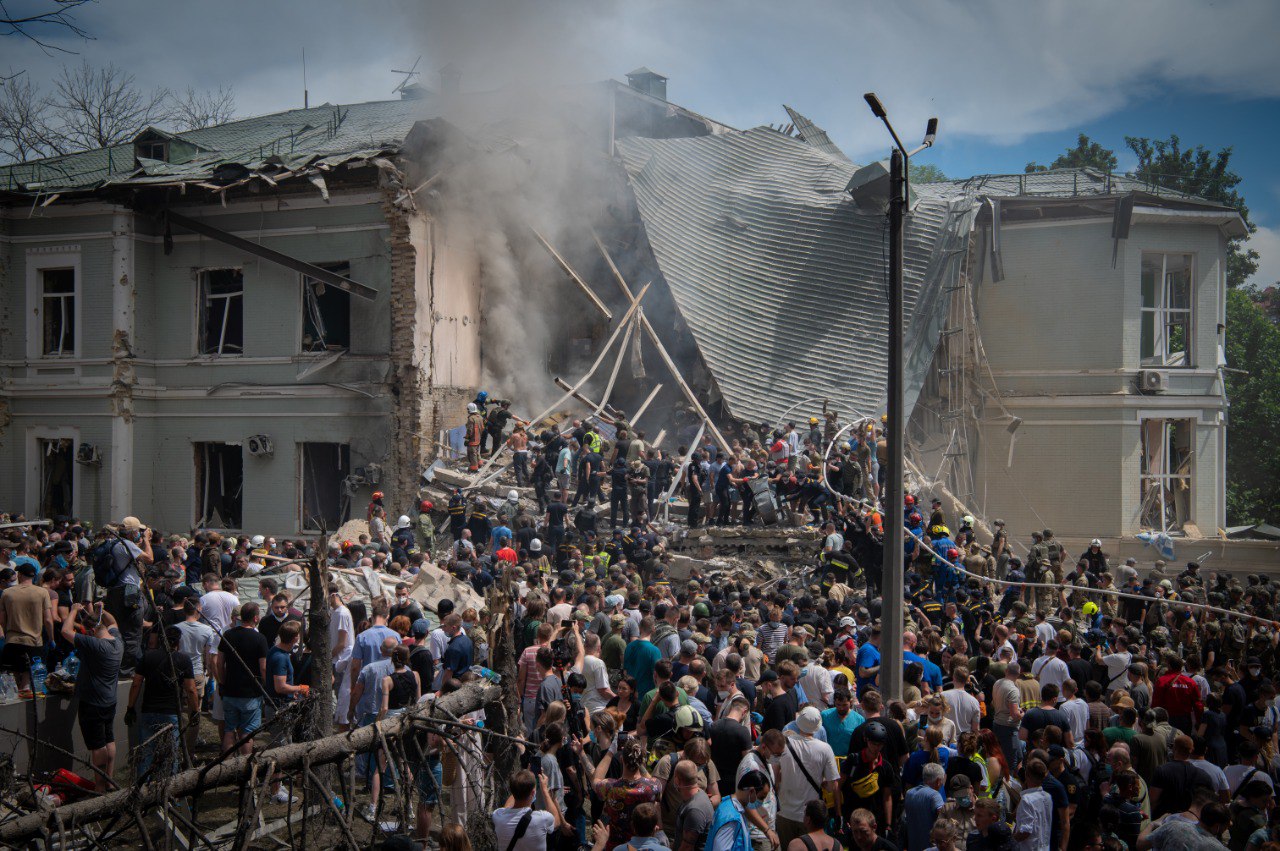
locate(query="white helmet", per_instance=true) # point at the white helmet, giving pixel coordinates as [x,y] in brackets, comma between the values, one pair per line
[471,408]
[257,541]
[513,496]
[1095,543]
[403,522]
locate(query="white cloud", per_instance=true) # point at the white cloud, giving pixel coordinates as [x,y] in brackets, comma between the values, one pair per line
[1266,241]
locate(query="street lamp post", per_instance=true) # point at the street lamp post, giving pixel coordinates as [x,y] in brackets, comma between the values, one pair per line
[893,589]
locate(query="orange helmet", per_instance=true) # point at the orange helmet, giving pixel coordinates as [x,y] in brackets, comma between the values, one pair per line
[377,494]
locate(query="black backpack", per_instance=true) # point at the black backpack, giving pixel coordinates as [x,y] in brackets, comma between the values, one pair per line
[106,572]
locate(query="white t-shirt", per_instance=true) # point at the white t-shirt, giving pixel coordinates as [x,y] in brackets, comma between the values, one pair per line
[794,791]
[197,640]
[597,677]
[818,686]
[1237,773]
[965,710]
[769,809]
[1045,631]
[218,607]
[1117,664]
[1035,815]
[340,621]
[541,824]
[1050,669]
[559,613]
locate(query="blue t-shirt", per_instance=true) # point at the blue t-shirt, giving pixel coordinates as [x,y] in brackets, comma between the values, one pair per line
[932,673]
[368,645]
[922,805]
[638,661]
[868,657]
[458,654]
[279,662]
[840,730]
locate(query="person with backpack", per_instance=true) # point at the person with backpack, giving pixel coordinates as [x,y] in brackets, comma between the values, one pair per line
[117,563]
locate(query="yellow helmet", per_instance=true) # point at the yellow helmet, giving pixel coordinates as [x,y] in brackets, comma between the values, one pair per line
[1090,608]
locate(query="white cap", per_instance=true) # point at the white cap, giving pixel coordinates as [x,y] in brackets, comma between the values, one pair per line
[513,496]
[257,541]
[809,720]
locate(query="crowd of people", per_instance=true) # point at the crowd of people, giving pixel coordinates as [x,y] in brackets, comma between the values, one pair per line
[709,712]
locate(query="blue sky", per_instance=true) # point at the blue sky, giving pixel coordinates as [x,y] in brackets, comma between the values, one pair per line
[1011,83]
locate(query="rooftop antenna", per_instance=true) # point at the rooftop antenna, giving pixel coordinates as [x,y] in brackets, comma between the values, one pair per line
[306,99]
[408,76]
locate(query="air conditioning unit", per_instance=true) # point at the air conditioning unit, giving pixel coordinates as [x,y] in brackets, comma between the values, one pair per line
[88,455]
[261,445]
[1152,380]
[370,474]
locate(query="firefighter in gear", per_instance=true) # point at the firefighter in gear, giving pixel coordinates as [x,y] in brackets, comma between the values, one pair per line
[457,514]
[424,529]
[474,434]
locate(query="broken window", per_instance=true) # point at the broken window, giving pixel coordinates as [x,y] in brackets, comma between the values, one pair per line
[156,150]
[1168,450]
[326,320]
[1166,310]
[326,503]
[219,485]
[56,476]
[221,312]
[58,312]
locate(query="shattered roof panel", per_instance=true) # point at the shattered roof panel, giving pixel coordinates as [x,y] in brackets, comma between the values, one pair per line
[814,135]
[781,279]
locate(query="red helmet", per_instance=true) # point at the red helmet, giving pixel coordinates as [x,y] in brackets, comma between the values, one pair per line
[915,517]
[909,499]
[953,553]
[377,494]
[426,505]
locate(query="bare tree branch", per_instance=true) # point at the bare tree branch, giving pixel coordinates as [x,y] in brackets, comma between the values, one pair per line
[100,107]
[25,122]
[193,110]
[52,15]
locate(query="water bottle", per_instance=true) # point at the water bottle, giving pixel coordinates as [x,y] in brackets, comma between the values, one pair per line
[337,802]
[38,674]
[487,673]
[8,689]
[72,664]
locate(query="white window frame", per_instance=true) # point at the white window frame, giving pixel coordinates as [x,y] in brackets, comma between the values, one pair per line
[1164,314]
[32,490]
[40,260]
[1165,477]
[200,314]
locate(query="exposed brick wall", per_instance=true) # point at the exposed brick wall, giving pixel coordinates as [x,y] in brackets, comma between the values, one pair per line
[410,444]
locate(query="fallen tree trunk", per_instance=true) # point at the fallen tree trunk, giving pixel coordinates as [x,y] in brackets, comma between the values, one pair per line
[237,769]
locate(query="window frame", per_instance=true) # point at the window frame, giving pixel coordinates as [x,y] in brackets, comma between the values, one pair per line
[1162,313]
[38,262]
[1166,477]
[342,267]
[344,448]
[199,483]
[201,316]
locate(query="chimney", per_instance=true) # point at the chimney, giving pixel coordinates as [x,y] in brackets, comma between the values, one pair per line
[450,80]
[649,82]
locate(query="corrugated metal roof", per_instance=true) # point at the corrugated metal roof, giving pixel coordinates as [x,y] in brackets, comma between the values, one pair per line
[781,279]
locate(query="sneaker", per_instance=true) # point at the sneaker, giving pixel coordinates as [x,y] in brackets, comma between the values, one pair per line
[368,812]
[282,796]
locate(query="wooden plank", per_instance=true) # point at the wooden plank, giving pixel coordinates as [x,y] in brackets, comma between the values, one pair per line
[568,270]
[644,406]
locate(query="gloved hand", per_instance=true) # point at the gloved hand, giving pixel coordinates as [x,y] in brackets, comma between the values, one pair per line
[130,716]
[306,690]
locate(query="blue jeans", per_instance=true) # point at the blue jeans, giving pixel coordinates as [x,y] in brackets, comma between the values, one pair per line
[369,761]
[151,723]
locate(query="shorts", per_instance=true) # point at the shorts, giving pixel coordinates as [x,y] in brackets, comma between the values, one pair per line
[242,714]
[563,480]
[17,657]
[429,776]
[97,725]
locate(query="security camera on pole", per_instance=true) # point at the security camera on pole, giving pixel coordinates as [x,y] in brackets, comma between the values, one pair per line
[894,578]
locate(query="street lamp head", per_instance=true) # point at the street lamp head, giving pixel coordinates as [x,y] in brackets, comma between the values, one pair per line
[931,131]
[877,108]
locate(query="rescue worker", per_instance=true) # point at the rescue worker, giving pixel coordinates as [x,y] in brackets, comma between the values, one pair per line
[495,423]
[457,514]
[424,529]
[474,436]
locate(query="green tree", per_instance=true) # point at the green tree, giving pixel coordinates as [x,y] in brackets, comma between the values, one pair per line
[1253,387]
[927,173]
[1197,171]
[1086,154]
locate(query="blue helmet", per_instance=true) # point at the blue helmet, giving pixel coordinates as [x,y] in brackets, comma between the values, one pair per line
[483,395]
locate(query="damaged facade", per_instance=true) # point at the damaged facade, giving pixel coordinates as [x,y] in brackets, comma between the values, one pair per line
[169,350]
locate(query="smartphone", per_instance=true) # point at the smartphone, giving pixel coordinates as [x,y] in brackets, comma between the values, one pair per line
[535,762]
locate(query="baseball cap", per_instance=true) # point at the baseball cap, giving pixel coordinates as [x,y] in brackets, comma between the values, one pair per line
[769,676]
[420,627]
[688,646]
[1057,752]
[26,568]
[615,600]
[131,524]
[701,638]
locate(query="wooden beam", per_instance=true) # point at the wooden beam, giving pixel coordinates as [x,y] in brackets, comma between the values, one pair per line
[568,270]
[609,418]
[644,406]
[271,255]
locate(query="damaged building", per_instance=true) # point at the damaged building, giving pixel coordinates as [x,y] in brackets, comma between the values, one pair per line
[254,325]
